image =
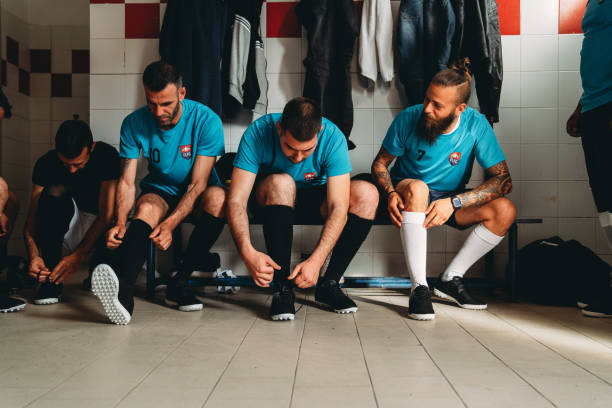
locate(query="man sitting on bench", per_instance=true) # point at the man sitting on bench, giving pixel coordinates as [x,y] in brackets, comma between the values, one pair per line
[298,162]
[435,145]
[181,139]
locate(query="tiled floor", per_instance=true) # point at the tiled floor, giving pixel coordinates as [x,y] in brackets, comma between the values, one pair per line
[230,355]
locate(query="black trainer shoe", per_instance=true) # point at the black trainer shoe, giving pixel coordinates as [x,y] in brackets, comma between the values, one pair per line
[9,304]
[455,291]
[48,293]
[105,285]
[179,295]
[282,307]
[329,293]
[86,285]
[581,304]
[599,308]
[419,306]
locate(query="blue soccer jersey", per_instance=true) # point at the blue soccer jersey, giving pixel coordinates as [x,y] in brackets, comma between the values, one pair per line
[260,149]
[447,164]
[171,153]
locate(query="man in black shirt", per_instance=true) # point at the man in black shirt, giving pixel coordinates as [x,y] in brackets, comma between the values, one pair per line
[71,207]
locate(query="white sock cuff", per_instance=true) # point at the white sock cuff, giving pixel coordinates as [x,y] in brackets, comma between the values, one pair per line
[605,219]
[487,236]
[411,217]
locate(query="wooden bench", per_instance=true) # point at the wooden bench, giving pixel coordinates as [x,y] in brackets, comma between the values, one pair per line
[367,282]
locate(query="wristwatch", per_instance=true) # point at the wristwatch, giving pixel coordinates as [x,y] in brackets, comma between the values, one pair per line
[456,202]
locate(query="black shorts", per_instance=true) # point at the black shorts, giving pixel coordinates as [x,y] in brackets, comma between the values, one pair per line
[307,207]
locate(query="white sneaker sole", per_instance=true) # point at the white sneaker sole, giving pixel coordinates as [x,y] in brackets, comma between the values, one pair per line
[595,314]
[13,309]
[444,296]
[186,308]
[347,310]
[283,316]
[428,316]
[46,301]
[105,285]
[581,305]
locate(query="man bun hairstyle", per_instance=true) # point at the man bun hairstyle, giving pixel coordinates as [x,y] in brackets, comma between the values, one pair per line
[458,74]
[71,137]
[302,117]
[157,75]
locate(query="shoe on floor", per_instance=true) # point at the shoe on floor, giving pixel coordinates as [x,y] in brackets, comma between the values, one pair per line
[180,296]
[599,308]
[581,305]
[283,307]
[329,293]
[455,291]
[419,306]
[225,274]
[9,304]
[48,294]
[105,285]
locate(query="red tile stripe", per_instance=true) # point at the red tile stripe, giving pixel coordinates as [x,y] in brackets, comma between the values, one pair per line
[509,17]
[281,20]
[570,16]
[142,20]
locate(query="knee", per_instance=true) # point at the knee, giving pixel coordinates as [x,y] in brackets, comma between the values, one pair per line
[416,189]
[55,191]
[213,201]
[363,199]
[504,211]
[277,189]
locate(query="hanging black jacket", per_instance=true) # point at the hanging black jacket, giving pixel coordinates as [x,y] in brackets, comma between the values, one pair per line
[477,36]
[191,39]
[332,28]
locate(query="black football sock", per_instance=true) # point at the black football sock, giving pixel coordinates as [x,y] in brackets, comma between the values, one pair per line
[278,234]
[354,233]
[133,251]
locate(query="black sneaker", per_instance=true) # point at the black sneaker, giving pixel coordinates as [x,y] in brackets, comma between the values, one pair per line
[105,285]
[455,291]
[282,307]
[329,293]
[600,308]
[87,284]
[179,295]
[581,304]
[419,306]
[9,304]
[48,294]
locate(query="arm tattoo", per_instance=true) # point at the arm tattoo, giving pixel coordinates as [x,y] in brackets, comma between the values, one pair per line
[381,175]
[498,184]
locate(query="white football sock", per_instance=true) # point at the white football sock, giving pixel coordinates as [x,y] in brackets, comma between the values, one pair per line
[414,242]
[605,219]
[478,243]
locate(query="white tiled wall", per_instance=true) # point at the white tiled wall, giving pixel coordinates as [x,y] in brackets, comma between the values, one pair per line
[541,88]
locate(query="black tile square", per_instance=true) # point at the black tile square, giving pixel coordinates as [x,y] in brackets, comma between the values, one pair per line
[40,61]
[12,51]
[80,61]
[24,82]
[61,85]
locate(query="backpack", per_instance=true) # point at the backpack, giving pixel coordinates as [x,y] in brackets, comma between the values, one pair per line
[556,272]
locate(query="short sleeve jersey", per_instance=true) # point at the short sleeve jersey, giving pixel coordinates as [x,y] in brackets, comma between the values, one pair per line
[446,165]
[84,185]
[171,153]
[260,149]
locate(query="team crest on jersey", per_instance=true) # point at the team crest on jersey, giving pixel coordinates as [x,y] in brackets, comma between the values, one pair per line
[454,158]
[186,151]
[310,176]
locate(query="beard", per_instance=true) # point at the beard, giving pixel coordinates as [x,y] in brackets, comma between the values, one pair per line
[430,129]
[165,121]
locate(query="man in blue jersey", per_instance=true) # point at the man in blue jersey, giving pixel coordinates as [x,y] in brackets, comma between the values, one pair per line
[435,145]
[592,120]
[180,139]
[296,165]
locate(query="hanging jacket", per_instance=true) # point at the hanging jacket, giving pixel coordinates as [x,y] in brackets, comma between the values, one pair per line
[375,48]
[424,33]
[191,39]
[331,27]
[477,36]
[243,60]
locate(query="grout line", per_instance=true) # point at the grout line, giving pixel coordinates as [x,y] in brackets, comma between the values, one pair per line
[365,361]
[435,363]
[230,361]
[297,363]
